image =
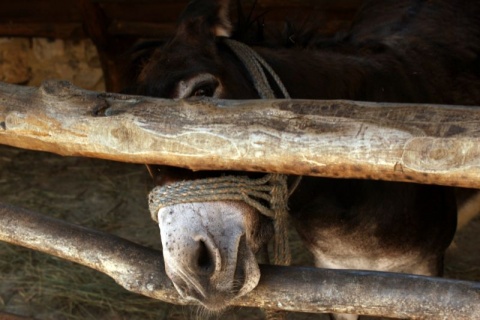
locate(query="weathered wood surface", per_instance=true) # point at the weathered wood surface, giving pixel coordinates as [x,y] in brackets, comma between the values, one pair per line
[418,143]
[141,270]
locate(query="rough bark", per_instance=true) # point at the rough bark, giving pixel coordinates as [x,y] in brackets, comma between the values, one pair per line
[141,270]
[346,139]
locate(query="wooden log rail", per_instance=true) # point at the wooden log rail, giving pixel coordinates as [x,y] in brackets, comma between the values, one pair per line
[141,270]
[343,139]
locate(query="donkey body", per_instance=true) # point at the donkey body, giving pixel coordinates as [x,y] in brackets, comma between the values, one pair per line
[395,51]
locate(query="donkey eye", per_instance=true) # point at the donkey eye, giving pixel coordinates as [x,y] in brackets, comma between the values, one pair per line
[200,85]
[205,90]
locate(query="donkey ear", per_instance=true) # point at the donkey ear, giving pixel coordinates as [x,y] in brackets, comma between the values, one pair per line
[206,17]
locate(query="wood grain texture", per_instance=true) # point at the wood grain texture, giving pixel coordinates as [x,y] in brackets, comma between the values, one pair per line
[141,270]
[343,139]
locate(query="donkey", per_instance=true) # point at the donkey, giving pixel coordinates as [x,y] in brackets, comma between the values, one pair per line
[395,51]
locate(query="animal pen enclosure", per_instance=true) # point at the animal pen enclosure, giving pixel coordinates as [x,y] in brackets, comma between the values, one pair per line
[29,115]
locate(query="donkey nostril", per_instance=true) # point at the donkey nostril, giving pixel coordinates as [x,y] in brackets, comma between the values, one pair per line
[240,267]
[205,259]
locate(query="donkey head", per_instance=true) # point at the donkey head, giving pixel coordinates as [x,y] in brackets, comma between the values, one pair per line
[195,62]
[208,247]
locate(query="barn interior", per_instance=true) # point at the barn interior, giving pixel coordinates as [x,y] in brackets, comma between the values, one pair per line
[85,42]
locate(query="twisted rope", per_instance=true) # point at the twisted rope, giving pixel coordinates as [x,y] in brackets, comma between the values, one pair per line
[255,65]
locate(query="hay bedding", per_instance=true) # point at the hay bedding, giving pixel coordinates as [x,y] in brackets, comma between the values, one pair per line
[105,195]
[111,196]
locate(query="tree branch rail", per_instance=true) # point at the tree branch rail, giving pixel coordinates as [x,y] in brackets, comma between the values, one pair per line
[329,138]
[141,270]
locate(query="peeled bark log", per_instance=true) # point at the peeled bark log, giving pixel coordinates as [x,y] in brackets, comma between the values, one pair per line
[336,138]
[141,270]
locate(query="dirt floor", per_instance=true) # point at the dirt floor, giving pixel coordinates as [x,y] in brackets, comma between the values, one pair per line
[111,196]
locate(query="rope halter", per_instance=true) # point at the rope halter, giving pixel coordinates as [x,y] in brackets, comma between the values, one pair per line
[269,194]
[256,65]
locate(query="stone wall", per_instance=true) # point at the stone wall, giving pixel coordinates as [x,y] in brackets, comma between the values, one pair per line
[30,61]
